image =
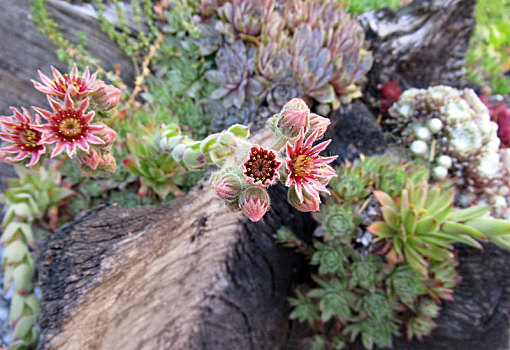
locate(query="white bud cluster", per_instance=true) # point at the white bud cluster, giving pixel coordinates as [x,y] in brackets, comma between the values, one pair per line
[454,127]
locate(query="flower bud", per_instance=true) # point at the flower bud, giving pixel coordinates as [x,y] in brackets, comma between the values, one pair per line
[435,125]
[294,116]
[444,161]
[254,203]
[108,135]
[106,97]
[418,147]
[228,187]
[439,172]
[423,133]
[311,201]
[318,123]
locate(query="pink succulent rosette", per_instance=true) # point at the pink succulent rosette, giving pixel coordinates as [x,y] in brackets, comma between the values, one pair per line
[306,169]
[261,168]
[78,86]
[19,130]
[69,127]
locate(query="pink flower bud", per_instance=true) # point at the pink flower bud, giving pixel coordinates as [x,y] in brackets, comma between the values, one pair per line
[91,158]
[311,201]
[228,187]
[254,203]
[106,97]
[319,123]
[294,117]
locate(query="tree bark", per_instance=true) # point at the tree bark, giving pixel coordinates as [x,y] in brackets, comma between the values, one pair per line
[421,45]
[187,275]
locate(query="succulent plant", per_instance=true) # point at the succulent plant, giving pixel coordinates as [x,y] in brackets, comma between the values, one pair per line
[156,168]
[235,66]
[33,196]
[304,48]
[452,129]
[246,17]
[384,253]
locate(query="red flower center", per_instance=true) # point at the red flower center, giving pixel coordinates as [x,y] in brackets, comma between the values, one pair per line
[262,165]
[61,85]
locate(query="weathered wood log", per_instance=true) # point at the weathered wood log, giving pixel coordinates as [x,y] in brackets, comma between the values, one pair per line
[421,45]
[187,275]
[24,51]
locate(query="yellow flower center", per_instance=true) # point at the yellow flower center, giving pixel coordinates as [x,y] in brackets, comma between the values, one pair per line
[302,165]
[70,127]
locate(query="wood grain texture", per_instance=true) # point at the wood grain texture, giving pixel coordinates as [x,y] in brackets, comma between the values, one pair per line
[422,44]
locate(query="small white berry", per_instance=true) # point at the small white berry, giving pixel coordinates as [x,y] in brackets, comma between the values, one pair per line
[439,172]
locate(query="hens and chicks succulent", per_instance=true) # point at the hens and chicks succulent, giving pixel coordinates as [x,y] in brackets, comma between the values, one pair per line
[384,252]
[270,51]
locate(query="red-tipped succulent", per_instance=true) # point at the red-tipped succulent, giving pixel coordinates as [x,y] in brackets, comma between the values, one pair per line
[306,169]
[68,126]
[261,168]
[19,130]
[78,86]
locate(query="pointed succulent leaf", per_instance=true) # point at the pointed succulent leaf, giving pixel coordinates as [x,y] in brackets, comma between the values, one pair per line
[443,214]
[409,221]
[457,228]
[391,217]
[381,229]
[444,200]
[415,260]
[502,241]
[22,276]
[432,196]
[23,327]
[430,251]
[208,143]
[427,224]
[458,238]
[17,306]
[432,238]
[490,226]
[15,252]
[469,213]
[385,199]
[239,130]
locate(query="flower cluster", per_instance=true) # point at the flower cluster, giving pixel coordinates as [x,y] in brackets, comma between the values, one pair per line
[74,100]
[247,169]
[453,130]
